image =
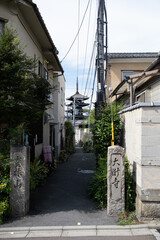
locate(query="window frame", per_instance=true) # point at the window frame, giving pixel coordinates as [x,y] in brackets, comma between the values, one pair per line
[40,68]
[2,23]
[127,73]
[45,74]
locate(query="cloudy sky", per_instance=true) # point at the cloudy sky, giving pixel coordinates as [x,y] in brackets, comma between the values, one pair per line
[133,26]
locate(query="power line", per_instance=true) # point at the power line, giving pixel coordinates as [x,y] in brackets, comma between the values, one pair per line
[95,72]
[89,122]
[78,40]
[86,43]
[94,46]
[91,75]
[77,32]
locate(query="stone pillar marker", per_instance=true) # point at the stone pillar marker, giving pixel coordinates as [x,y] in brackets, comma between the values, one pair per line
[20,180]
[115,181]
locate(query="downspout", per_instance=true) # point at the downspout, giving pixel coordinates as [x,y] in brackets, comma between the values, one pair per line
[129,81]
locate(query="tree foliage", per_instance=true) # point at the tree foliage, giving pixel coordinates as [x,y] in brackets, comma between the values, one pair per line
[102,131]
[23,94]
[69,135]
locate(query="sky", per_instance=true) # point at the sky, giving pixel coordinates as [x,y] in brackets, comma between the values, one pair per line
[133,26]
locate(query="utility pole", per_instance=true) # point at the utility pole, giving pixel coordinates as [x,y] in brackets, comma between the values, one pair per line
[101,53]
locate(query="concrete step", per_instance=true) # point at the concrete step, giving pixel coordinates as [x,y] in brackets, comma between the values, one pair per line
[80,231]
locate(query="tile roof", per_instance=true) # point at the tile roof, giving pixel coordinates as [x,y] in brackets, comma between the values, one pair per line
[134,55]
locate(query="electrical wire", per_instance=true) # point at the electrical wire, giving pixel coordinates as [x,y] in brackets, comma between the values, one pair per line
[78,41]
[77,32]
[86,44]
[90,107]
[95,72]
[91,75]
[94,47]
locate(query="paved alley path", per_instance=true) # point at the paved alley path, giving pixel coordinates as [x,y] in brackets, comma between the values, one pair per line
[63,200]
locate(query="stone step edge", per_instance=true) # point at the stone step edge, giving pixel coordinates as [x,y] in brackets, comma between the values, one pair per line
[82,227]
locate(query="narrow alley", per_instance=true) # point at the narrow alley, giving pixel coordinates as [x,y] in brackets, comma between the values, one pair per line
[63,200]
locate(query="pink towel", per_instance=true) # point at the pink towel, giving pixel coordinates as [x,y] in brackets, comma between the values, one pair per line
[47,153]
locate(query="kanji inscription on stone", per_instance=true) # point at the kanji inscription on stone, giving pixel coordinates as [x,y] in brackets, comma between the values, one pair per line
[18,170]
[20,180]
[115,180]
[116,176]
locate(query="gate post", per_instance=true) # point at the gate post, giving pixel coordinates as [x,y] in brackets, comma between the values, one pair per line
[20,180]
[115,181]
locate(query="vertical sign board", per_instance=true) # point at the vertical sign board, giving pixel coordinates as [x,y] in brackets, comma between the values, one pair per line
[20,180]
[115,181]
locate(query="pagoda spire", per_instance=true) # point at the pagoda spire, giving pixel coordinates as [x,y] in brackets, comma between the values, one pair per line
[77,86]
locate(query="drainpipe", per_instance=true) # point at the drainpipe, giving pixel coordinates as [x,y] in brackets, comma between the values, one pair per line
[131,93]
[129,81]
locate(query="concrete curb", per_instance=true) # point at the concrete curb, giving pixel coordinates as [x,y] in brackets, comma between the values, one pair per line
[77,231]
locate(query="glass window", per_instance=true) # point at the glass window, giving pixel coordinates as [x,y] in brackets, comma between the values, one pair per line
[40,67]
[45,74]
[1,27]
[141,97]
[126,74]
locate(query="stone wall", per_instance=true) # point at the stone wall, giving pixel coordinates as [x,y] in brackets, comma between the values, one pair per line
[142,145]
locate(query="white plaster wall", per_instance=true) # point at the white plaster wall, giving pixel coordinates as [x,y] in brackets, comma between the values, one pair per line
[147,177]
[77,134]
[155,92]
[16,22]
[142,144]
[133,135]
[151,177]
[38,150]
[150,147]
[58,108]
[46,134]
[30,44]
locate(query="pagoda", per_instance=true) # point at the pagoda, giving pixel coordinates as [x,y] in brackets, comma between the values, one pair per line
[77,104]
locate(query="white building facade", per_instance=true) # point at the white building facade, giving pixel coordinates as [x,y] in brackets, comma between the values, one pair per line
[24,17]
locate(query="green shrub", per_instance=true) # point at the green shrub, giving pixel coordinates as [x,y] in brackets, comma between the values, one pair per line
[38,173]
[130,188]
[102,135]
[63,155]
[4,187]
[69,133]
[4,209]
[98,184]
[102,130]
